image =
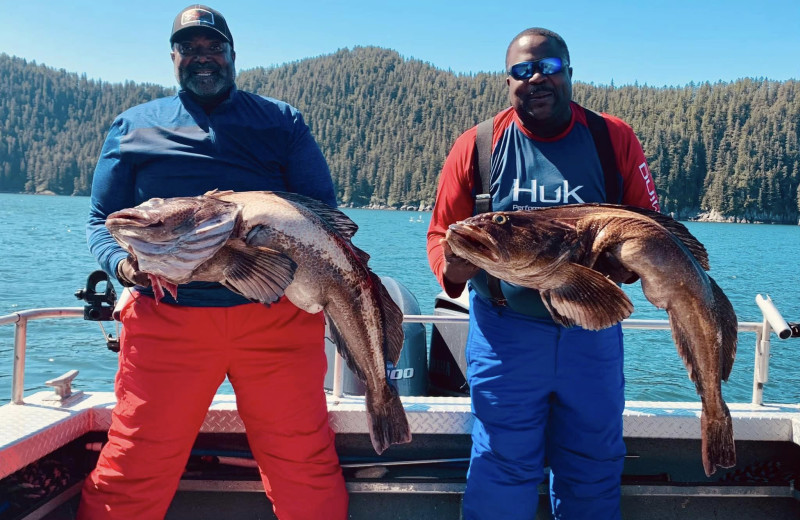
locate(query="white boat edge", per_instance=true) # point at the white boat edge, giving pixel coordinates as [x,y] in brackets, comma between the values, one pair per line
[41,425]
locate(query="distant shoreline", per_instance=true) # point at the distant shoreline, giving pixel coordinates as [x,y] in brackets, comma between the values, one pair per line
[699,216]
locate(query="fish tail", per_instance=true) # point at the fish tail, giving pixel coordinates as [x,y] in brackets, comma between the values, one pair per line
[717,442]
[387,419]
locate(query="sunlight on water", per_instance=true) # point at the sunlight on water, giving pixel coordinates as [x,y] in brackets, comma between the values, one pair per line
[44,260]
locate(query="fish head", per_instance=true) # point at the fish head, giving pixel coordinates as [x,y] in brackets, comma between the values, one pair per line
[171,237]
[513,240]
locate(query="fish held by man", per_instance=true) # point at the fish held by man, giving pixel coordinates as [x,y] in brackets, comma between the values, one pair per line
[574,254]
[265,245]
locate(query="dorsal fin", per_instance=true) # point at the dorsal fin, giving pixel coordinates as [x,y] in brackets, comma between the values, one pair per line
[344,349]
[392,317]
[334,217]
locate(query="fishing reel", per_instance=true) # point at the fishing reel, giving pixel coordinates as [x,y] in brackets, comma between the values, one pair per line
[99,305]
[795,328]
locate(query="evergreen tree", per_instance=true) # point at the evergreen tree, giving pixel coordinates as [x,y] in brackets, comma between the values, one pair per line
[386,124]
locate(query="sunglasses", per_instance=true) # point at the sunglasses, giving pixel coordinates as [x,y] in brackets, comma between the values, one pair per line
[545,66]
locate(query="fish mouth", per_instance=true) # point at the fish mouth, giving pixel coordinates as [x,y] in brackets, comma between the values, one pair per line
[131,217]
[468,238]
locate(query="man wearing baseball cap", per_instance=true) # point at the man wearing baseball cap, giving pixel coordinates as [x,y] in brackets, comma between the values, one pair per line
[173,357]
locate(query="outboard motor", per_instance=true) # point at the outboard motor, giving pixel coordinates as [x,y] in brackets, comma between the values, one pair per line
[447,369]
[410,376]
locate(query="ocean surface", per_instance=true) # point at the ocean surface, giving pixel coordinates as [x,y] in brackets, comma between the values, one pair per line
[44,261]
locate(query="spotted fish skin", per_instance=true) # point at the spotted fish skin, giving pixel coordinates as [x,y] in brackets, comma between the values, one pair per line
[267,245]
[575,256]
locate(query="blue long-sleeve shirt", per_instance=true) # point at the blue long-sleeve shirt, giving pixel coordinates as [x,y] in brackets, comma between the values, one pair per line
[170,147]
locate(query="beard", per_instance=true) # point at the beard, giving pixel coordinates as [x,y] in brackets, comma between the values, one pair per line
[207,80]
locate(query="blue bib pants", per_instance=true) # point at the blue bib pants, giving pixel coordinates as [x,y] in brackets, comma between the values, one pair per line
[540,391]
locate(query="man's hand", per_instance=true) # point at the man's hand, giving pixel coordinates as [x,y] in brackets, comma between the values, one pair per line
[128,273]
[456,269]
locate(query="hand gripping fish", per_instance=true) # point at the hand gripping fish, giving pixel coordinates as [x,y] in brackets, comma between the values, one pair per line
[264,245]
[574,254]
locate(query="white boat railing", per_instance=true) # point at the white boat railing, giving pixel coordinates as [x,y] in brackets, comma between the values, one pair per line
[772,322]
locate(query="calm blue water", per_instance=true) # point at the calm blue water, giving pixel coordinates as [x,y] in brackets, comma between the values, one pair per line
[44,260]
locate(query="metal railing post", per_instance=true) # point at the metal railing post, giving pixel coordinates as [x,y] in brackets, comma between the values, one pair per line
[18,374]
[20,320]
[338,374]
[761,364]
[772,321]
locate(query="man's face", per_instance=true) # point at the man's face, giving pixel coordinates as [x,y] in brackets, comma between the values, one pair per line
[204,64]
[542,101]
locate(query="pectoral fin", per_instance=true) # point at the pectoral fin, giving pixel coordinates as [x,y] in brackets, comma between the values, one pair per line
[258,273]
[586,298]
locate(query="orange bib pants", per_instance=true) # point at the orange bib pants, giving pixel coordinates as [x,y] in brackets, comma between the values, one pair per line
[172,360]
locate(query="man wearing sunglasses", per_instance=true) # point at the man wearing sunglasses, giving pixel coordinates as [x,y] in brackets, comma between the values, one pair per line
[540,392]
[174,356]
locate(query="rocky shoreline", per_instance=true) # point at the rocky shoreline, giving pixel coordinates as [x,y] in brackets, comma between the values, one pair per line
[404,207]
[716,216]
[691,216]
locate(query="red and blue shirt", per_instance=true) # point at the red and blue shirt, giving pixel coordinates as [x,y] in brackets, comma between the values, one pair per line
[528,172]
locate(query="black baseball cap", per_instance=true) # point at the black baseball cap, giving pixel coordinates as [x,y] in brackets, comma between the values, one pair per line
[203,16]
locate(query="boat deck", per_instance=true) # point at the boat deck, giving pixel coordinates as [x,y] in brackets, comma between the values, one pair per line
[663,468]
[41,425]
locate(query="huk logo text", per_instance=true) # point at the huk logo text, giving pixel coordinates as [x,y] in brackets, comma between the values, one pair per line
[561,195]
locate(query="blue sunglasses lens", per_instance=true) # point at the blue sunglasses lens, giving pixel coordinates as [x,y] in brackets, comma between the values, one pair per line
[526,69]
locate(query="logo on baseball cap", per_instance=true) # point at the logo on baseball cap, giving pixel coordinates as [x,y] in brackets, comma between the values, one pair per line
[200,16]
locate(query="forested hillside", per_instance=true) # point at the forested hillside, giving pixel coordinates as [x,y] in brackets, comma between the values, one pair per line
[385,124]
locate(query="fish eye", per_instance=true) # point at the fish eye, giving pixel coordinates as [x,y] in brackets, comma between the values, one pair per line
[499,219]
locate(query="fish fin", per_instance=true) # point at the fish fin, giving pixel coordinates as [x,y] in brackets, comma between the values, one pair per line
[386,418]
[217,193]
[344,351]
[334,217]
[680,337]
[171,288]
[392,317]
[155,283]
[159,284]
[717,444]
[587,299]
[258,273]
[680,231]
[362,255]
[726,317]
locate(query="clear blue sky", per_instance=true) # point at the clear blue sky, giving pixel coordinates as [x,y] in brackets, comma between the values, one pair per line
[650,41]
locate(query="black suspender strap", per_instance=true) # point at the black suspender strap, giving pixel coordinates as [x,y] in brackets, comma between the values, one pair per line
[483,148]
[602,143]
[483,197]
